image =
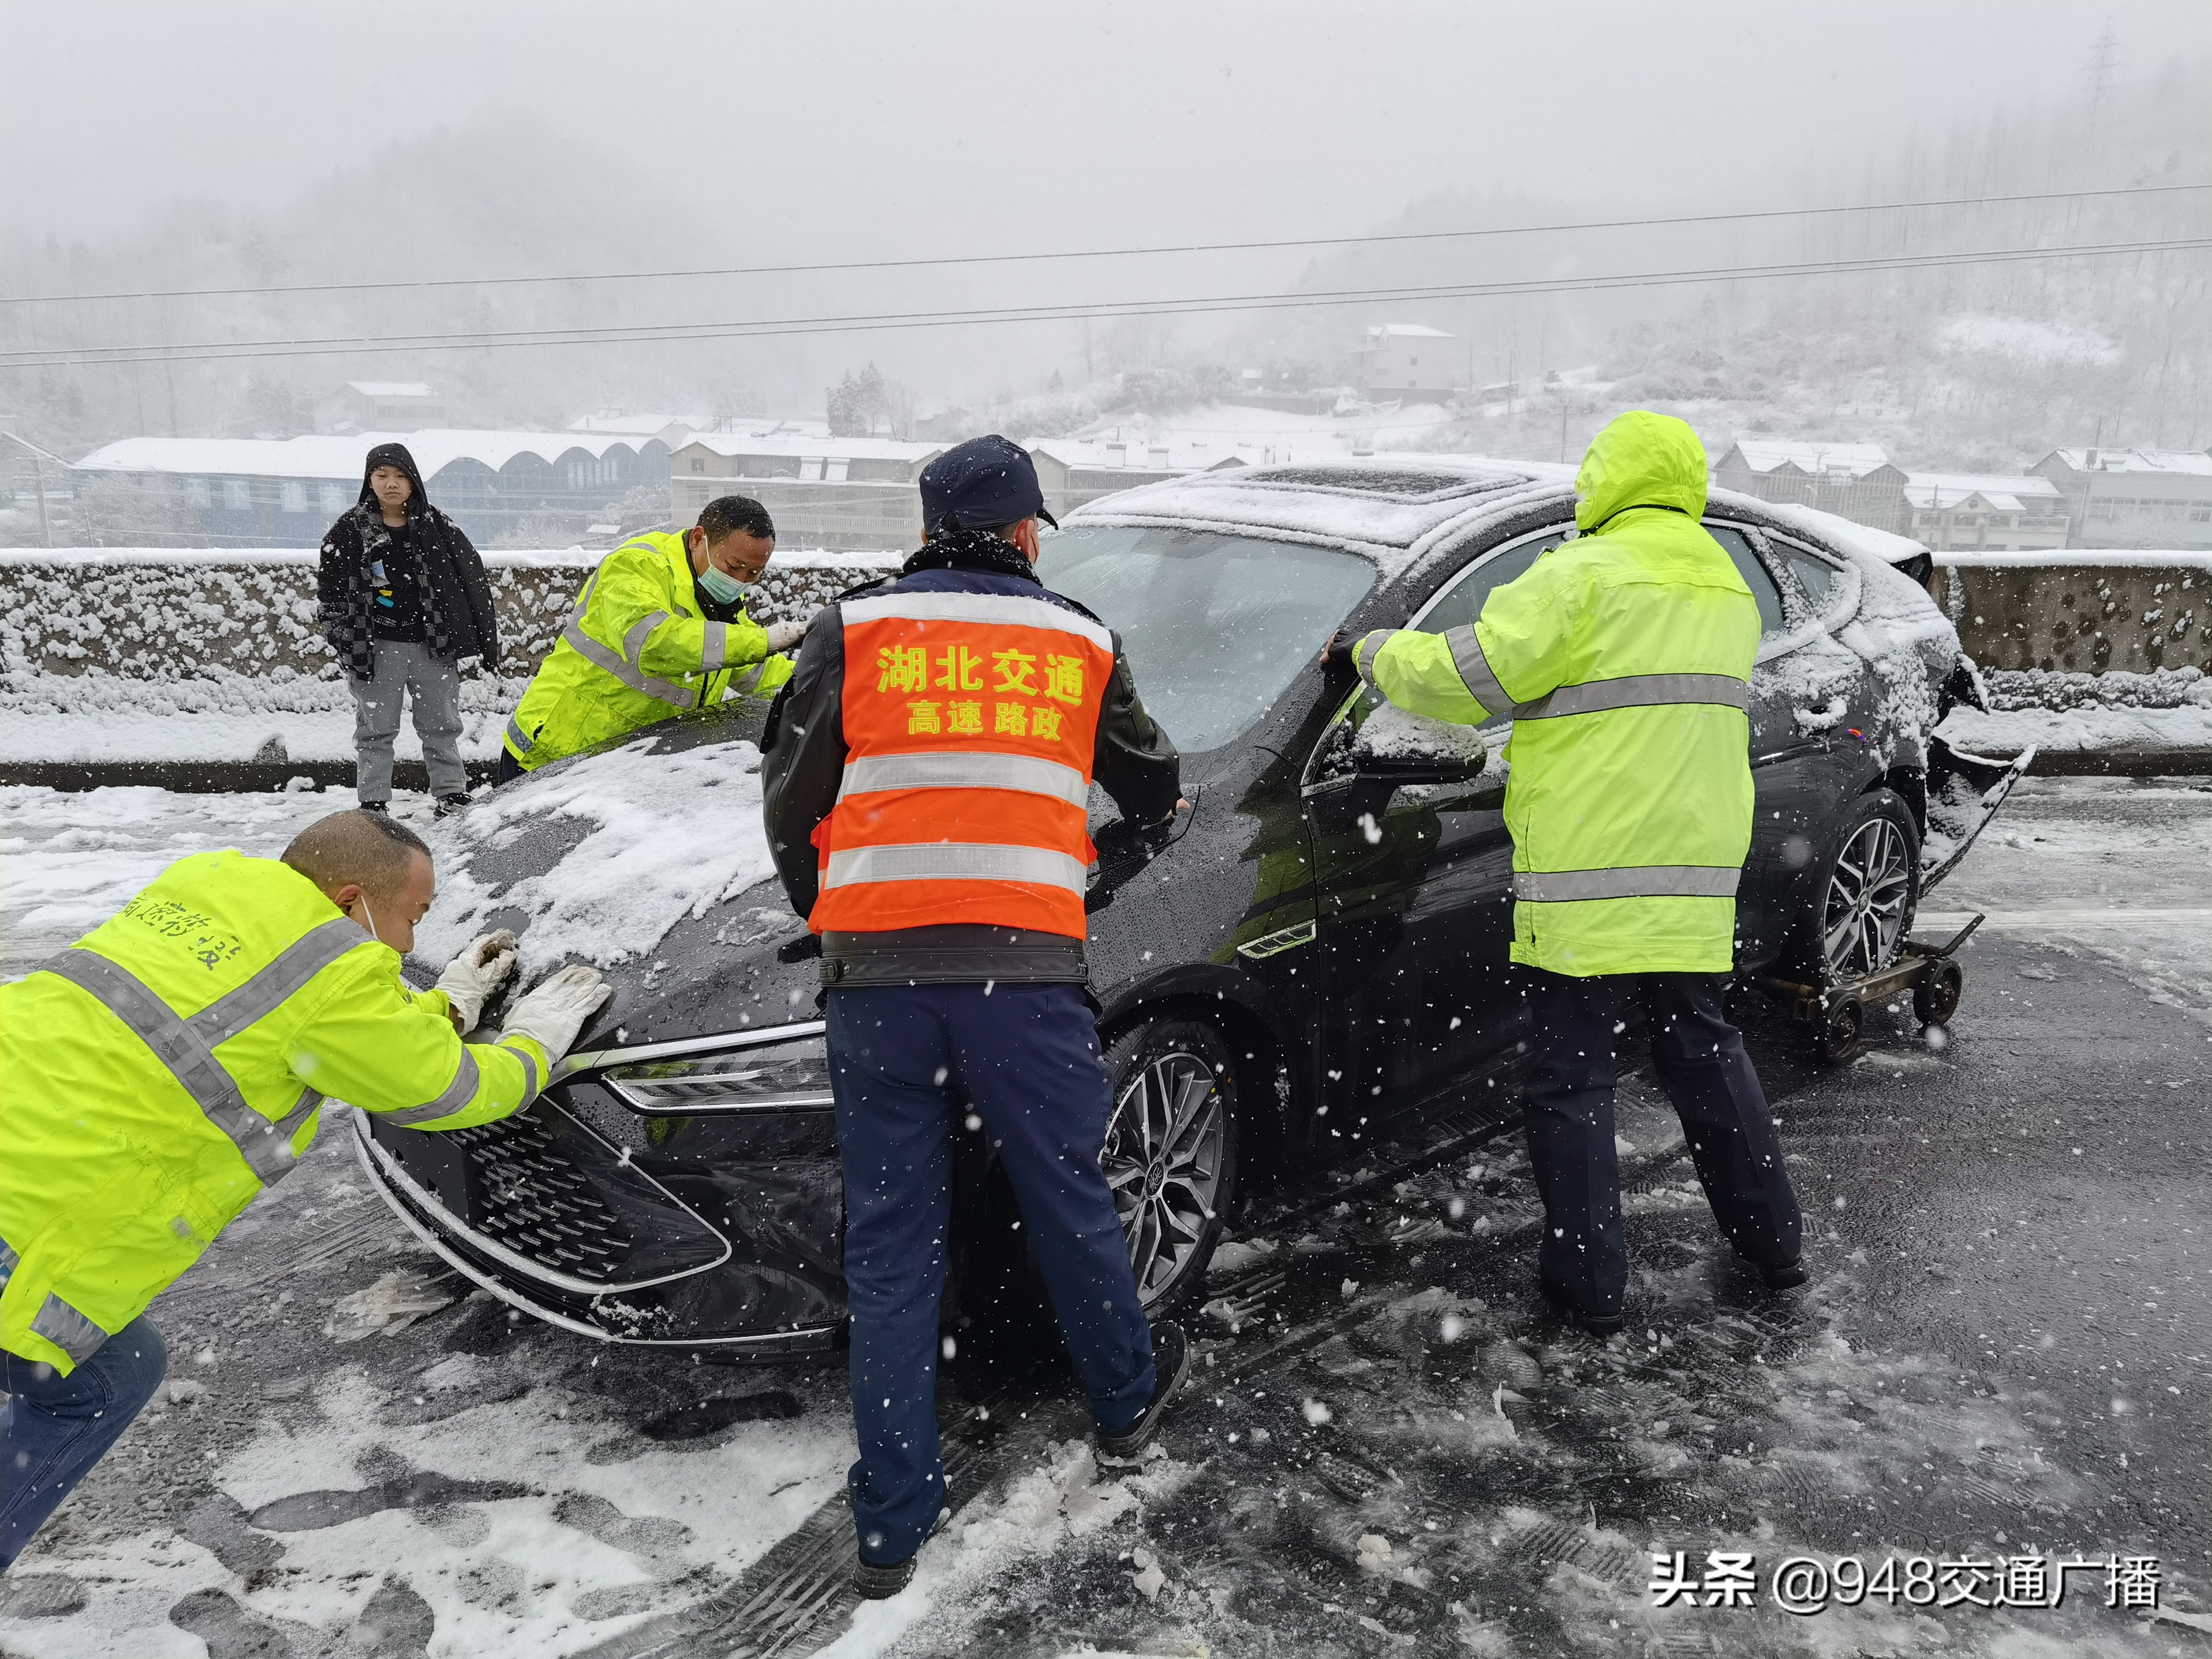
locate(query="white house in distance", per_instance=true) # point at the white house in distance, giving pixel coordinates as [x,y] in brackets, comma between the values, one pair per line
[1857,480]
[1409,361]
[1970,512]
[2134,498]
[381,406]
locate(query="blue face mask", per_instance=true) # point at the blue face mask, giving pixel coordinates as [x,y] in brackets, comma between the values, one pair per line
[720,587]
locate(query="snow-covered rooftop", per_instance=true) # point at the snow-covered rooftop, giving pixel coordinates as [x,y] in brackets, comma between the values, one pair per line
[1406,331]
[2196,462]
[1763,453]
[393,388]
[325,457]
[2000,492]
[1179,453]
[804,445]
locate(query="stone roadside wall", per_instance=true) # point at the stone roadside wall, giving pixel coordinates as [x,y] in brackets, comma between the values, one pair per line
[161,613]
[2088,613]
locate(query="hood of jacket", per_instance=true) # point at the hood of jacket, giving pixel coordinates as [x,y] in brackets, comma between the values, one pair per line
[418,503]
[1640,459]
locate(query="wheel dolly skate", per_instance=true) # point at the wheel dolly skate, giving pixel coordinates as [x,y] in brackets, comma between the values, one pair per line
[1833,1018]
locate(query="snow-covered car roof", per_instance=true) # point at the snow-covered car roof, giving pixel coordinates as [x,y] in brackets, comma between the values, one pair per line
[1396,510]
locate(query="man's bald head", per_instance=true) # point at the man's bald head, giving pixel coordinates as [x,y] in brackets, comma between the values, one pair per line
[372,851]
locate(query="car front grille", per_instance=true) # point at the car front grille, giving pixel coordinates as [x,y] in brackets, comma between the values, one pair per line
[531,1199]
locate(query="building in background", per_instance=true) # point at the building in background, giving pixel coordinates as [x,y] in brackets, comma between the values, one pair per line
[529,488]
[2120,498]
[1074,471]
[1968,513]
[1409,362]
[1858,481]
[849,495]
[381,406]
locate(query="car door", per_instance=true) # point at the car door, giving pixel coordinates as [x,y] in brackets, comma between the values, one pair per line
[1808,696]
[1413,886]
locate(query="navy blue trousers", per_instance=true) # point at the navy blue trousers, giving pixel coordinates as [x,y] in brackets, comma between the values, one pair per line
[908,1064]
[1568,1111]
[54,1428]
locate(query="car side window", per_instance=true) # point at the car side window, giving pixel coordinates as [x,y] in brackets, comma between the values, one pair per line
[1811,572]
[1462,600]
[1756,575]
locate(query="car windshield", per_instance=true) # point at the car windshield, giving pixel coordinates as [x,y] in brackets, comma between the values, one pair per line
[1214,626]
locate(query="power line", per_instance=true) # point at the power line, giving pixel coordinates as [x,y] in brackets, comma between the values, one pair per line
[869,322]
[823,268]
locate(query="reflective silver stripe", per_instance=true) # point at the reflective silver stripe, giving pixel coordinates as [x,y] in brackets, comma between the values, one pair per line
[745,685]
[1639,692]
[599,656]
[1362,654]
[640,631]
[68,1329]
[1027,773]
[954,860]
[1474,670]
[8,1260]
[530,1081]
[716,649]
[996,608]
[458,1093]
[186,1047]
[300,962]
[1636,881]
[522,740]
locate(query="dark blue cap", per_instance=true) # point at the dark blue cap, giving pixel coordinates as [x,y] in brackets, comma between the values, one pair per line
[983,484]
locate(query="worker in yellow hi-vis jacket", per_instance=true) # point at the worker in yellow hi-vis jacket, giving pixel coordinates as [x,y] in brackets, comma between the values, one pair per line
[1624,659]
[663,627]
[160,1073]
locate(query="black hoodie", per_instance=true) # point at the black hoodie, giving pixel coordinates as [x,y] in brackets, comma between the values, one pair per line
[458,622]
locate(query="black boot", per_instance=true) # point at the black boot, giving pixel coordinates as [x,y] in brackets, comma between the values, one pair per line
[1787,1276]
[1171,1369]
[880,1582]
[384,806]
[449,805]
[1561,1303]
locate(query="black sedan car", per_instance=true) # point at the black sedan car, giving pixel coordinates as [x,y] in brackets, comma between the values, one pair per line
[1315,950]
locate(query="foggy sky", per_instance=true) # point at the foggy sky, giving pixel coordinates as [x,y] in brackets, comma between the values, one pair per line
[853,129]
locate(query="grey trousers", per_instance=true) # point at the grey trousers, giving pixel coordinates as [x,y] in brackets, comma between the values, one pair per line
[435,687]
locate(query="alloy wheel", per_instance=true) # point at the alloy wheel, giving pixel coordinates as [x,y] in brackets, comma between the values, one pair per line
[1163,1160]
[1863,921]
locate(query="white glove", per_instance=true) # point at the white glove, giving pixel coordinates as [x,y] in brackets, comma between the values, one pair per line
[479,970]
[782,635]
[556,1010]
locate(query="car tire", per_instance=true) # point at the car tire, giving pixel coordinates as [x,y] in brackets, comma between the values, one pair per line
[1860,911]
[1170,1156]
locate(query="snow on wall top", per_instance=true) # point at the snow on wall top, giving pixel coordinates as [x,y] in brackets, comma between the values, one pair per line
[1763,453]
[2134,558]
[507,558]
[1171,452]
[341,459]
[393,388]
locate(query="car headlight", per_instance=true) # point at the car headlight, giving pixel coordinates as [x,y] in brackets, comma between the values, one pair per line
[783,1070]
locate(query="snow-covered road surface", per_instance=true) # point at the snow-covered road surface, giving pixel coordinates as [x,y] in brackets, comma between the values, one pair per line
[1389,1449]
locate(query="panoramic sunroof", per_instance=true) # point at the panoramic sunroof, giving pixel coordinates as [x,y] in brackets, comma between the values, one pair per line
[1393,484]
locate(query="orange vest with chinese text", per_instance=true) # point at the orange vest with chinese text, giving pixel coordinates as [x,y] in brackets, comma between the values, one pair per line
[969,721]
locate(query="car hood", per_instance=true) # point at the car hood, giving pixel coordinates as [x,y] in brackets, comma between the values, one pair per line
[648,859]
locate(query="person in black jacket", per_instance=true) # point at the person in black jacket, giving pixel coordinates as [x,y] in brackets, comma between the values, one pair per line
[406,606]
[940,731]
